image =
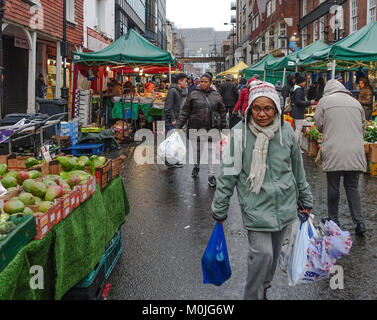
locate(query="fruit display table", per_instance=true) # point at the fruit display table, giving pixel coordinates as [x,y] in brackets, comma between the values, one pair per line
[71,250]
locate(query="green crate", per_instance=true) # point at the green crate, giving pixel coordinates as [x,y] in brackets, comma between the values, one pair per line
[16,240]
[88,280]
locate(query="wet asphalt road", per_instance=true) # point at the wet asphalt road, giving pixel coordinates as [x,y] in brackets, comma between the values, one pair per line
[169,226]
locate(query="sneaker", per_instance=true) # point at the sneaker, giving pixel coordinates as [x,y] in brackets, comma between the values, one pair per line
[195,172]
[178,165]
[212,181]
[360,229]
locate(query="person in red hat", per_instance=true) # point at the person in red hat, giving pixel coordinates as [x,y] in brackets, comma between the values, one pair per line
[243,101]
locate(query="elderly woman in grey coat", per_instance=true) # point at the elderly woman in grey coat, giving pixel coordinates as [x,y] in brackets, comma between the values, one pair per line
[341,119]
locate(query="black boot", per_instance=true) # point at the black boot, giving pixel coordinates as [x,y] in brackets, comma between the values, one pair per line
[195,172]
[360,229]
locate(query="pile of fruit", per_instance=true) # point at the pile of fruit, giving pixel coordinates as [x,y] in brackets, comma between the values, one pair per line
[33,162]
[13,179]
[70,164]
[40,195]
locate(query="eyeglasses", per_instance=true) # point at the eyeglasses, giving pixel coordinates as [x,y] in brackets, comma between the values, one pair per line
[266,110]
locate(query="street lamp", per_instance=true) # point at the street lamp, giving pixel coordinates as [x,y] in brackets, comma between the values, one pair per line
[2,12]
[233,45]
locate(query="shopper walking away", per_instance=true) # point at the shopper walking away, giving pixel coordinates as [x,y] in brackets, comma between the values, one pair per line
[299,105]
[366,97]
[288,88]
[242,85]
[320,89]
[200,110]
[268,172]
[243,101]
[341,119]
[229,92]
[313,91]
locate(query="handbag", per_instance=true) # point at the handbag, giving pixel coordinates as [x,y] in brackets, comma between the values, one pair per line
[215,116]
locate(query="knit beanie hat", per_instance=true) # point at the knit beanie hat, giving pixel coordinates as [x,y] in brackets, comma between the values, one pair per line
[263,89]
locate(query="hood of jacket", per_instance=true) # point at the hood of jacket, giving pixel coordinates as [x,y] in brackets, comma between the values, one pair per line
[296,87]
[334,86]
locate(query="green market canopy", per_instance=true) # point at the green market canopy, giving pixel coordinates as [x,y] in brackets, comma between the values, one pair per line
[259,69]
[131,49]
[289,62]
[355,50]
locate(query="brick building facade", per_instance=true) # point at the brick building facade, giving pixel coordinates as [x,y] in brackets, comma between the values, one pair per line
[32,33]
[273,24]
[317,19]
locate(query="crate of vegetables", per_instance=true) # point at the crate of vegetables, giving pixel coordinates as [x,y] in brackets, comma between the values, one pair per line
[15,233]
[27,163]
[101,168]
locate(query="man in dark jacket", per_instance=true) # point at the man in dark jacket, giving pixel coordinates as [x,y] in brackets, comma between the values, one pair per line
[299,105]
[173,103]
[198,112]
[229,92]
[288,88]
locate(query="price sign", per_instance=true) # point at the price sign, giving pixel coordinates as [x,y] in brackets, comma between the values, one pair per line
[46,153]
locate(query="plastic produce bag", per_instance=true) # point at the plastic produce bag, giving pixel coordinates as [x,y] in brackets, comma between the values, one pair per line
[172,149]
[299,268]
[215,261]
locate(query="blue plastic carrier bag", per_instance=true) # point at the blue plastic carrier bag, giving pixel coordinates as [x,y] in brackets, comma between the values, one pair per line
[215,261]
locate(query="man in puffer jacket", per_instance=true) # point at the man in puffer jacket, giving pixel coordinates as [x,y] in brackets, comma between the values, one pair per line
[263,161]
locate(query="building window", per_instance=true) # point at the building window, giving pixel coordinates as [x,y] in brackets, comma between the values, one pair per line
[353,19]
[283,33]
[315,31]
[268,8]
[71,11]
[304,7]
[371,10]
[322,29]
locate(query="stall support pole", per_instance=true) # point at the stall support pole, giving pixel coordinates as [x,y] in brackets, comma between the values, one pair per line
[333,67]
[284,72]
[264,75]
[169,74]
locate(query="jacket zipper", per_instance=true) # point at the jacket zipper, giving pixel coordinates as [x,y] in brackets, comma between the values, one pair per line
[276,195]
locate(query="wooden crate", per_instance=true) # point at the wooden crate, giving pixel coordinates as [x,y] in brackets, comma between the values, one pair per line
[17,163]
[117,166]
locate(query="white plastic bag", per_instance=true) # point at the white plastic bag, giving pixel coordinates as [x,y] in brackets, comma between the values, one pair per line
[300,270]
[287,245]
[172,149]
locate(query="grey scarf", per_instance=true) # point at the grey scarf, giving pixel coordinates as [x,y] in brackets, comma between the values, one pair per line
[258,164]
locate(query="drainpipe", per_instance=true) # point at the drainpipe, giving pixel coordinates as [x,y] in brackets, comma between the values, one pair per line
[64,53]
[2,12]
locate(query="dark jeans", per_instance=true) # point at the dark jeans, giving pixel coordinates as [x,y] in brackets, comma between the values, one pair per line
[351,185]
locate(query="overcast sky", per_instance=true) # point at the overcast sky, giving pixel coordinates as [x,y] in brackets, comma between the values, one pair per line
[199,13]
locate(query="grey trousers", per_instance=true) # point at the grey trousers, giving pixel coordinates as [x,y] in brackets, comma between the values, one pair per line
[351,185]
[264,252]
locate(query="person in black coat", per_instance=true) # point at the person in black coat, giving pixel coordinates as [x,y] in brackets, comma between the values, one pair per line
[229,92]
[288,88]
[320,89]
[299,105]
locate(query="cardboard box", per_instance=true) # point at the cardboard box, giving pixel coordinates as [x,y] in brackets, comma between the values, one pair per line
[372,169]
[67,204]
[42,225]
[372,154]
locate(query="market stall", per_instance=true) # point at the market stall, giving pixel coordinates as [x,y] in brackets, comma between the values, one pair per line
[235,71]
[259,69]
[132,55]
[289,63]
[60,214]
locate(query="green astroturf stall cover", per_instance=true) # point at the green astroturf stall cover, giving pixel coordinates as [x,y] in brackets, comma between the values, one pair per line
[71,250]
